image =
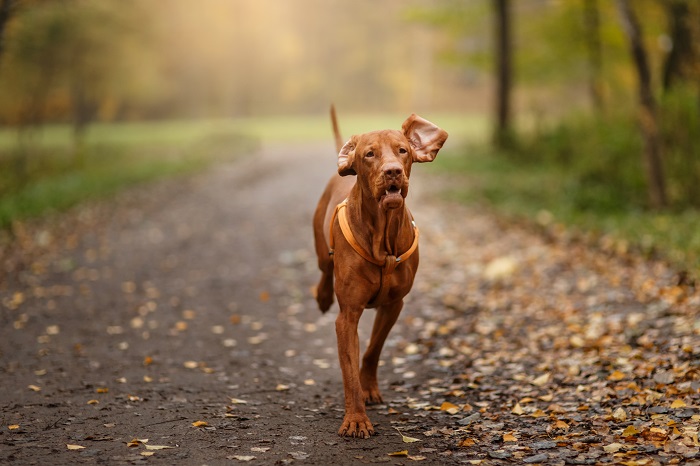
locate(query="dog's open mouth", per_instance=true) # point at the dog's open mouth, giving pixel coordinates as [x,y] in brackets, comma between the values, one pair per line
[392,197]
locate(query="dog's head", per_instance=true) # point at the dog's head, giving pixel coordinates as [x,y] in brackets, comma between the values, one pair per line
[382,159]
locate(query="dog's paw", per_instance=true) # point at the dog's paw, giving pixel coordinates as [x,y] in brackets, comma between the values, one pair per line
[372,396]
[356,425]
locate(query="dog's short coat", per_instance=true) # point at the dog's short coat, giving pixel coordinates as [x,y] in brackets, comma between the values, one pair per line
[381,227]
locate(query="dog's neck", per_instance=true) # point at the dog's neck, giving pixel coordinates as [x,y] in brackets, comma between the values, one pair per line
[380,231]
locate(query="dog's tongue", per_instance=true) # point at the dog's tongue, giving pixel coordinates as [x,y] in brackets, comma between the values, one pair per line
[392,200]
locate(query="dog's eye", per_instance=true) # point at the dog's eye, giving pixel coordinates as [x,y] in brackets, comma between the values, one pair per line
[402,150]
[369,154]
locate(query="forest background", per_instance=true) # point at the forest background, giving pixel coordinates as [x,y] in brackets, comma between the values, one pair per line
[580,115]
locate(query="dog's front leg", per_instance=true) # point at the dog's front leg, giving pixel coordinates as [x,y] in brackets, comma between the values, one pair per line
[355,423]
[384,320]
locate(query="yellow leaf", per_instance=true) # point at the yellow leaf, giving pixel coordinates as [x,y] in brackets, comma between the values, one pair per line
[92,402]
[102,390]
[13,427]
[678,404]
[199,424]
[237,401]
[517,409]
[399,453]
[617,375]
[417,458]
[136,442]
[630,431]
[282,387]
[147,361]
[538,413]
[148,453]
[157,447]
[449,408]
[541,380]
[405,438]
[74,447]
[509,438]
[34,388]
[613,447]
[620,414]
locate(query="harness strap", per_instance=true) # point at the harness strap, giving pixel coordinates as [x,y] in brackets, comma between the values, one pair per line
[390,262]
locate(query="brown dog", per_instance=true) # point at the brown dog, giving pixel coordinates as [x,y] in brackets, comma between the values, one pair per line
[369,244]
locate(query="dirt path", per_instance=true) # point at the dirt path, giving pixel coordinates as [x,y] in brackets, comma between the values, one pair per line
[189,301]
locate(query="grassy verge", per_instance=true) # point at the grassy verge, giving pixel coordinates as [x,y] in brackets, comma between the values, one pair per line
[554,195]
[43,173]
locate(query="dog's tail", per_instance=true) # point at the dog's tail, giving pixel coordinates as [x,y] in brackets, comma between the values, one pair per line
[336,130]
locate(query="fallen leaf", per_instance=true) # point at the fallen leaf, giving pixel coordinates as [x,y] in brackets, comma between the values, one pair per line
[541,380]
[620,415]
[102,390]
[93,402]
[630,431]
[467,442]
[260,449]
[399,453]
[509,438]
[191,364]
[13,427]
[561,425]
[449,408]
[517,409]
[199,424]
[616,376]
[74,447]
[613,447]
[417,458]
[242,457]
[678,404]
[407,439]
[282,387]
[157,447]
[299,455]
[136,442]
[34,388]
[148,453]
[237,401]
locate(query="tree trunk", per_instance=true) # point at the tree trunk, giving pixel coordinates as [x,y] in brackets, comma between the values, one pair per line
[681,58]
[6,7]
[503,71]
[647,108]
[591,17]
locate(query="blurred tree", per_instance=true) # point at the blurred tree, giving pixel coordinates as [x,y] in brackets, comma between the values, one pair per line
[6,10]
[681,63]
[591,14]
[647,107]
[504,71]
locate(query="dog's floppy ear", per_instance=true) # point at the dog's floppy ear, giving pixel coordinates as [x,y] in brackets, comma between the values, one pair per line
[346,158]
[425,138]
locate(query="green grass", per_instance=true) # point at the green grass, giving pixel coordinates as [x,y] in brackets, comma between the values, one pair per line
[549,194]
[42,173]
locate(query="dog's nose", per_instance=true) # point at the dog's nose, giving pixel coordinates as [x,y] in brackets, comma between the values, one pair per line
[393,171]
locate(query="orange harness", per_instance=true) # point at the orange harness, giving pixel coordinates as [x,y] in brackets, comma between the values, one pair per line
[388,265]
